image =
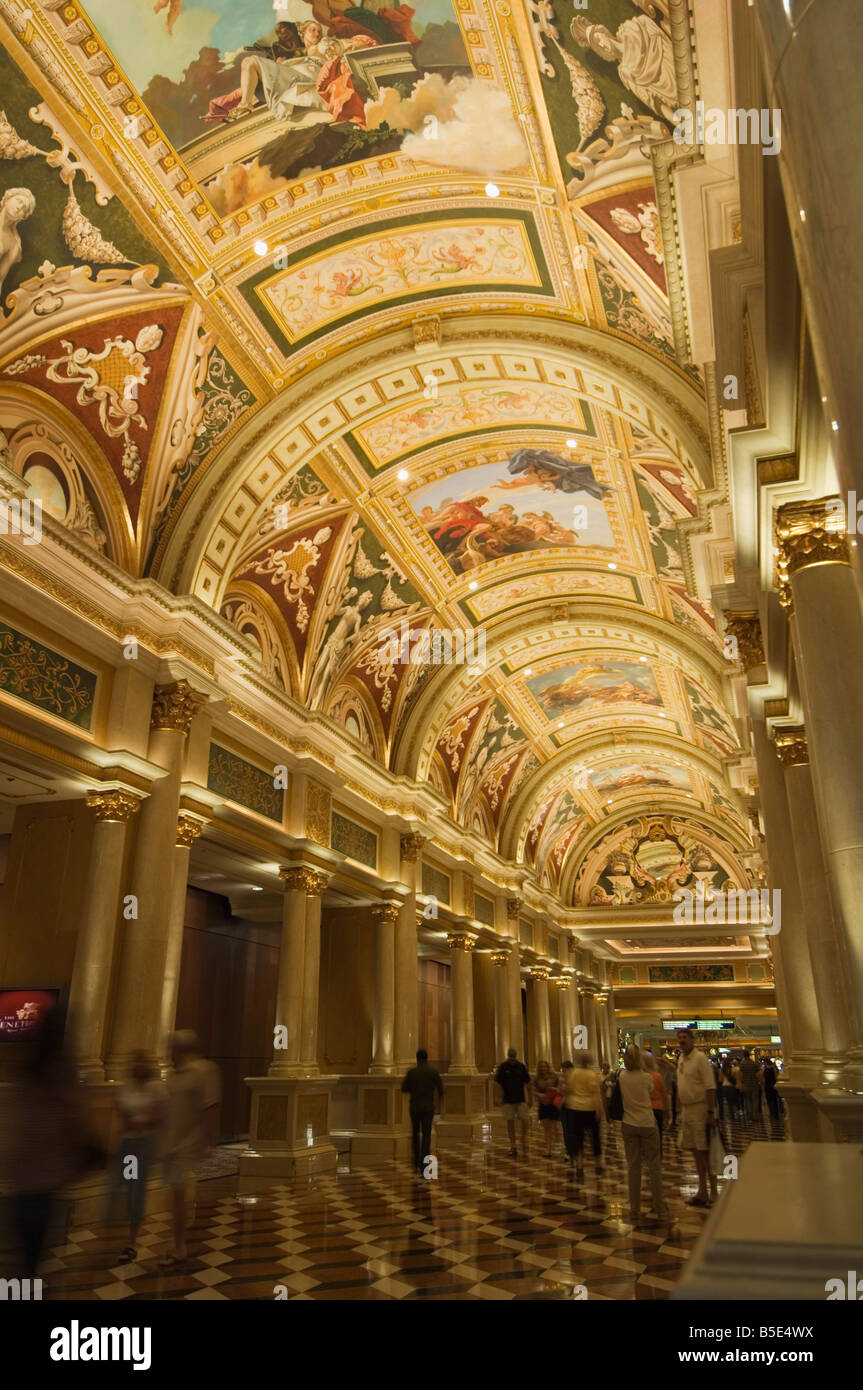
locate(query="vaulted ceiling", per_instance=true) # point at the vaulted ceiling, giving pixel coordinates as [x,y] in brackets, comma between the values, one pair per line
[400,349]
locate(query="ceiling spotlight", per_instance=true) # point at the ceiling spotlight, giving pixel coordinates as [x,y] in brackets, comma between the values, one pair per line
[473,584]
[612,565]
[492,190]
[403,475]
[256,889]
[528,670]
[644,659]
[560,723]
[572,444]
[261,248]
[661,713]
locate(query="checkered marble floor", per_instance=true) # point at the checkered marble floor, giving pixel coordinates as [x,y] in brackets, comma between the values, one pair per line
[489,1227]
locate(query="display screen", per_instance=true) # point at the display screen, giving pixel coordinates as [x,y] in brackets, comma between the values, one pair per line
[23,1011]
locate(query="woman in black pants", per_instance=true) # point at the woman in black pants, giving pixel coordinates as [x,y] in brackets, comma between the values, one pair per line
[582,1104]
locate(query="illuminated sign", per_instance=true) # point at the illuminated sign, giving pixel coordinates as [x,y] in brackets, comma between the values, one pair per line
[701,1025]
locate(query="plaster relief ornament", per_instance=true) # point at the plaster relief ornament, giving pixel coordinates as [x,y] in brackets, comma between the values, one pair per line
[645,226]
[346,629]
[86,241]
[290,568]
[82,368]
[643,55]
[16,205]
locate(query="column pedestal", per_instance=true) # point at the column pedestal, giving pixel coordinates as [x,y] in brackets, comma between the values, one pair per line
[464,1107]
[383,1123]
[289,1129]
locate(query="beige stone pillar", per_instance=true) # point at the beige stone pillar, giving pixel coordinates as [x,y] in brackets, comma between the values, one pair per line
[600,1001]
[502,1012]
[385,917]
[814,565]
[561,984]
[588,1011]
[138,1005]
[189,827]
[407,983]
[463,1061]
[97,934]
[539,1015]
[299,967]
[516,1013]
[828,970]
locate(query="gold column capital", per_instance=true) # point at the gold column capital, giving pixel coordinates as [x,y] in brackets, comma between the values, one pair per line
[175,706]
[410,846]
[808,533]
[791,745]
[561,981]
[513,909]
[385,912]
[539,972]
[115,805]
[188,830]
[299,879]
[460,941]
[745,628]
[500,957]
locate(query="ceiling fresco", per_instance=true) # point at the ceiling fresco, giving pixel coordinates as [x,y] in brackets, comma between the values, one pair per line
[361,324]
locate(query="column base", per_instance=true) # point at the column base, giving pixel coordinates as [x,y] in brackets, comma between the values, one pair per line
[289,1129]
[465,1107]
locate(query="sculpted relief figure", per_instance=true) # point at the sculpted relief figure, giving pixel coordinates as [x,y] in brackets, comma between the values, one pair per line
[350,621]
[16,205]
[644,58]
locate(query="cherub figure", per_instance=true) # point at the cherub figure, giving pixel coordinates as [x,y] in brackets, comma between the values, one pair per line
[174,8]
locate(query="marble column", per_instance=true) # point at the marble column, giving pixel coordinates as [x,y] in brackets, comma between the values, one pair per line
[407,984]
[539,1014]
[811,55]
[502,1012]
[97,934]
[138,1002]
[588,1010]
[561,983]
[600,1002]
[513,969]
[384,916]
[299,966]
[463,1061]
[817,580]
[189,827]
[828,969]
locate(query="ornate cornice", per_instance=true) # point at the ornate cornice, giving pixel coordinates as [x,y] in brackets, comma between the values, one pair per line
[460,941]
[299,879]
[807,533]
[410,847]
[745,628]
[113,805]
[791,746]
[385,912]
[175,706]
[188,830]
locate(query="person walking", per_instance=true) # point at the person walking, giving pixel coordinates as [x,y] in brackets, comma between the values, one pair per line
[141,1103]
[769,1077]
[660,1101]
[422,1083]
[514,1094]
[583,1105]
[641,1136]
[726,1092]
[191,1110]
[546,1086]
[749,1086]
[696,1085]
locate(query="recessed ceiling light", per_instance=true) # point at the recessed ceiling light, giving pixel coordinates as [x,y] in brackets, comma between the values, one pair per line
[492,190]
[612,565]
[661,713]
[261,248]
[403,475]
[528,671]
[643,658]
[473,584]
[572,444]
[560,723]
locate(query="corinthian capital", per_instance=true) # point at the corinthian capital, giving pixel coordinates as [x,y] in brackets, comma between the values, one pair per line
[175,706]
[791,745]
[500,957]
[299,879]
[460,941]
[410,847]
[745,628]
[539,972]
[114,805]
[385,912]
[188,830]
[808,533]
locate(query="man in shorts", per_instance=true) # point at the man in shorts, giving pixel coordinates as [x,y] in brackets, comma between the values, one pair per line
[696,1089]
[514,1092]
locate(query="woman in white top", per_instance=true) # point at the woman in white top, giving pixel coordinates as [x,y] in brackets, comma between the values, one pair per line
[640,1135]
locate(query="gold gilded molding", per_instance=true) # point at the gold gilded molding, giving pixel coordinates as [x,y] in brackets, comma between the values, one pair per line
[175,706]
[113,805]
[299,879]
[513,908]
[410,847]
[807,533]
[385,912]
[319,803]
[188,830]
[460,941]
[791,745]
[500,957]
[745,628]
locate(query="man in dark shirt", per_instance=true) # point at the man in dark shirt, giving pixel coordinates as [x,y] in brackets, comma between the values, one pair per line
[514,1093]
[749,1079]
[422,1083]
